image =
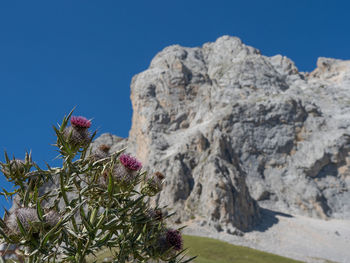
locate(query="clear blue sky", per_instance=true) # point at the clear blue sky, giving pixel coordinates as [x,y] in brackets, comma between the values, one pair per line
[58,54]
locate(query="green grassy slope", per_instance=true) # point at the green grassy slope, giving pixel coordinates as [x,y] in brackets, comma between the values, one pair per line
[211,250]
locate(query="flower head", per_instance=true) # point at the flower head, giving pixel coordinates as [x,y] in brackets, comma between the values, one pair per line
[101,152]
[52,218]
[76,136]
[28,218]
[153,185]
[130,162]
[156,214]
[15,165]
[159,175]
[104,148]
[103,179]
[174,239]
[124,175]
[80,122]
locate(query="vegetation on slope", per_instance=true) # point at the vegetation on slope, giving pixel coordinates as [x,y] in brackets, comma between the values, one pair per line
[211,250]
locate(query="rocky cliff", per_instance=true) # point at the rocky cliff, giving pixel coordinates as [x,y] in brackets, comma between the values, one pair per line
[234,130]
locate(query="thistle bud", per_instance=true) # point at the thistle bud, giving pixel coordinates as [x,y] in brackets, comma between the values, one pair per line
[101,152]
[104,148]
[153,185]
[16,166]
[103,179]
[155,214]
[51,218]
[28,218]
[76,136]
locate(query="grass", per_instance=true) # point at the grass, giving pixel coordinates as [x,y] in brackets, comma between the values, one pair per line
[211,250]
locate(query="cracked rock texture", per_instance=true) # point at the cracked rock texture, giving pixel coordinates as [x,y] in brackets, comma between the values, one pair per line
[234,130]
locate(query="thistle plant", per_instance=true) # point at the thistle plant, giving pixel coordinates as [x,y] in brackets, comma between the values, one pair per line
[100,201]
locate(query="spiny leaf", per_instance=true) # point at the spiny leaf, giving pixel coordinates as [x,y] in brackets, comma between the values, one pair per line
[7,158]
[66,118]
[5,236]
[190,259]
[21,228]
[28,190]
[39,211]
[110,184]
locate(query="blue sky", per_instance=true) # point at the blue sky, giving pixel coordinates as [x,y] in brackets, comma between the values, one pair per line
[55,55]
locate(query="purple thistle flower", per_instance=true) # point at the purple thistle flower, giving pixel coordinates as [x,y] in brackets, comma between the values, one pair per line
[130,162]
[174,238]
[80,122]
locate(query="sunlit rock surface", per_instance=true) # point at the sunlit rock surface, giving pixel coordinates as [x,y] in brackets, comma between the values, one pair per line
[234,130]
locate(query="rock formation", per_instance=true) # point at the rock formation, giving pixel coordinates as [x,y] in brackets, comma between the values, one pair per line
[231,129]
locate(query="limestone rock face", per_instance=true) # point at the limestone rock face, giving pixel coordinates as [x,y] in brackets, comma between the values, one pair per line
[231,128]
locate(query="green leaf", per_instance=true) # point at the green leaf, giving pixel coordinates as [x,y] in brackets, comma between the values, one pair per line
[28,157]
[110,187]
[7,158]
[190,259]
[87,224]
[39,211]
[34,252]
[21,228]
[70,231]
[178,254]
[63,190]
[112,222]
[28,190]
[83,190]
[62,221]
[99,223]
[181,228]
[8,194]
[66,118]
[103,240]
[131,203]
[93,215]
[4,236]
[70,249]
